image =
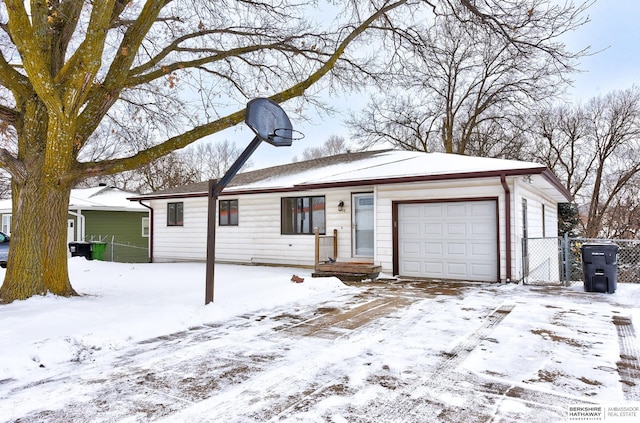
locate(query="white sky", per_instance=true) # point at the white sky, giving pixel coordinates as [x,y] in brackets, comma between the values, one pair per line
[613,30]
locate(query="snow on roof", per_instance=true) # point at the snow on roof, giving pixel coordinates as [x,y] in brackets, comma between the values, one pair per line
[388,165]
[103,198]
[97,198]
[374,167]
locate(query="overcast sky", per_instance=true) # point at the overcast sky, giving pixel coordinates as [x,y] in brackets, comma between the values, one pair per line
[613,32]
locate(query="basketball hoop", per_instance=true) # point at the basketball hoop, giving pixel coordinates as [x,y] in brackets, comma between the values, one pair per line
[290,134]
[269,122]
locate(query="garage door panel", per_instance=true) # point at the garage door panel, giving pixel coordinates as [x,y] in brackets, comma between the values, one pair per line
[411,249]
[410,211]
[455,210]
[481,250]
[486,210]
[433,229]
[411,267]
[457,249]
[482,269]
[457,240]
[430,210]
[480,229]
[411,230]
[457,270]
[433,248]
[454,229]
[435,268]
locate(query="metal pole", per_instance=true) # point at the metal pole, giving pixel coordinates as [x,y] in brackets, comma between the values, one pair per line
[567,259]
[211,242]
[215,188]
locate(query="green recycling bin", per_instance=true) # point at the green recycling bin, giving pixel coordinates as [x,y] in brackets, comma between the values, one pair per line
[97,250]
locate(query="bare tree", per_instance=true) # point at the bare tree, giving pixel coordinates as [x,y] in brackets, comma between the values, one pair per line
[5,186]
[562,143]
[621,220]
[614,124]
[212,160]
[334,145]
[466,88]
[594,148]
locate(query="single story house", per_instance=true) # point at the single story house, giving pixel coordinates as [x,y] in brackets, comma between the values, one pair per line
[105,214]
[415,214]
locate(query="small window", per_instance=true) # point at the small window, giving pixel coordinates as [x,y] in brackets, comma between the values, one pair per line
[145,227]
[174,214]
[228,213]
[300,215]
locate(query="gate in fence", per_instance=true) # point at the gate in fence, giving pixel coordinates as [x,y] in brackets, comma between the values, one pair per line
[558,261]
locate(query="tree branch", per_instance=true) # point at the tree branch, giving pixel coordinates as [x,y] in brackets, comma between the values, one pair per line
[180,141]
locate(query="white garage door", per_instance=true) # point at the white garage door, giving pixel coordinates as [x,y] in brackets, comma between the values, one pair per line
[450,240]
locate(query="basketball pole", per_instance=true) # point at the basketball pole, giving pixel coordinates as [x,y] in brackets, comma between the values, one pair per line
[215,188]
[265,117]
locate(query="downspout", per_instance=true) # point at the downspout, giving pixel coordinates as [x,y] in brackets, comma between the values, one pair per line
[150,230]
[507,208]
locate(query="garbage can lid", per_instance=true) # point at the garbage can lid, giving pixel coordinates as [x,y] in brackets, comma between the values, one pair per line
[600,246]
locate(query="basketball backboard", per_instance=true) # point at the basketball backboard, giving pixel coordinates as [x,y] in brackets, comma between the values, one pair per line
[270,123]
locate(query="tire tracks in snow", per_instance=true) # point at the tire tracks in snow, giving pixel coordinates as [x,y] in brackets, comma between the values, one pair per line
[629,364]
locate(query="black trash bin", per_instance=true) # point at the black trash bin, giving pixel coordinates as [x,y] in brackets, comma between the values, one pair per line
[80,249]
[600,267]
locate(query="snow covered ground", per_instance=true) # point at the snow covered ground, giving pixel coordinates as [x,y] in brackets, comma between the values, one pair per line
[140,345]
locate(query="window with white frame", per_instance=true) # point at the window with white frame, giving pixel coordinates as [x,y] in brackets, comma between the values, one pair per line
[6,224]
[145,227]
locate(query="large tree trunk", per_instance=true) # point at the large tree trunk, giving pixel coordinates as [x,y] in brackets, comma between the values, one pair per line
[37,262]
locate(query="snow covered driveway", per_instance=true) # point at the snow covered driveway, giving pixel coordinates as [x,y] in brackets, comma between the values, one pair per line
[374,352]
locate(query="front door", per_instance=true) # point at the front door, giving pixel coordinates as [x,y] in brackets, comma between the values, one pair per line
[71,235]
[363,225]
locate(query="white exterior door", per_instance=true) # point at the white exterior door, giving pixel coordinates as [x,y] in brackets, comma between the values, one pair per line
[363,234]
[448,240]
[70,234]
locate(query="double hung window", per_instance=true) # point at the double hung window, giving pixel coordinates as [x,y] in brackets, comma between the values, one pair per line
[175,212]
[228,213]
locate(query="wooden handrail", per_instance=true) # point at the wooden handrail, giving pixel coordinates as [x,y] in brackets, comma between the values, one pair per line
[317,245]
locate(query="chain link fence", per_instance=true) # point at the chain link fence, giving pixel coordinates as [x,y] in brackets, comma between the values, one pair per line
[122,251]
[558,261]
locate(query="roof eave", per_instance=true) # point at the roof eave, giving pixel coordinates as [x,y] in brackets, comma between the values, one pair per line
[374,181]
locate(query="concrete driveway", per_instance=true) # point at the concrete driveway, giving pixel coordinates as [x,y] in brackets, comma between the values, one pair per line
[392,352]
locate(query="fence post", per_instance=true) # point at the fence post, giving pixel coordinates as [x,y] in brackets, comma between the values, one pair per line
[335,244]
[567,258]
[316,231]
[524,266]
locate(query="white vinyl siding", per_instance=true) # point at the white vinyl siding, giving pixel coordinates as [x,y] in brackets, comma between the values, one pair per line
[180,243]
[542,266]
[257,238]
[485,188]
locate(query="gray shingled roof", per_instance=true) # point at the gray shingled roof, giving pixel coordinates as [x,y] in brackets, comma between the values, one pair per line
[270,172]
